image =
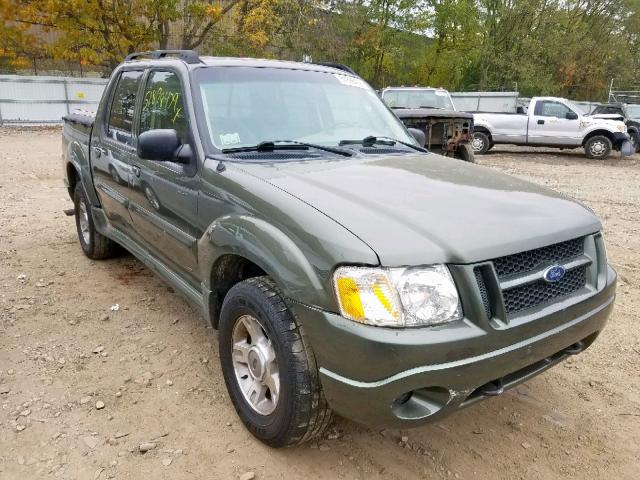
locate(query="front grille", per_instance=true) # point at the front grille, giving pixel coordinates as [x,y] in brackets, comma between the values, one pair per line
[534,259]
[516,282]
[484,294]
[540,291]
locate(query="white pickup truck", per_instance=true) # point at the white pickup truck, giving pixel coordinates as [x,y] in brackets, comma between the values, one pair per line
[552,122]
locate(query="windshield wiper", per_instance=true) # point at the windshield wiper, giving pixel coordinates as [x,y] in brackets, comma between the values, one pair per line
[421,106]
[370,141]
[272,145]
[388,141]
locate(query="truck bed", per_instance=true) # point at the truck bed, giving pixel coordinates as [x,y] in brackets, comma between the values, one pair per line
[76,139]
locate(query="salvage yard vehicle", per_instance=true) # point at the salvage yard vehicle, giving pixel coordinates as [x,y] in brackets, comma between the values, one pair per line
[552,122]
[432,111]
[628,113]
[345,268]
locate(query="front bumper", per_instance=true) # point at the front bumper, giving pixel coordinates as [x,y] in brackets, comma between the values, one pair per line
[403,378]
[622,142]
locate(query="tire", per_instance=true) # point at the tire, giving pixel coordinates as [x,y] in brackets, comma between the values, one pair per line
[465,152]
[597,147]
[481,143]
[635,141]
[94,245]
[298,411]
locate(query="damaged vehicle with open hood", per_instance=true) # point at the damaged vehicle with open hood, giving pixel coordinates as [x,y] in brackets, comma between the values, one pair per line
[346,268]
[432,111]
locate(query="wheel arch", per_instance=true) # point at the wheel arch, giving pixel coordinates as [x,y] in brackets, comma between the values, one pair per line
[483,129]
[72,177]
[236,248]
[597,132]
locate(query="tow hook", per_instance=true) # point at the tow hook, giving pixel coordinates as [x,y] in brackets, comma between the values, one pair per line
[69,212]
[493,389]
[575,349]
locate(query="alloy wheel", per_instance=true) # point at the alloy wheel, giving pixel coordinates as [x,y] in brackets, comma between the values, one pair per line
[255,365]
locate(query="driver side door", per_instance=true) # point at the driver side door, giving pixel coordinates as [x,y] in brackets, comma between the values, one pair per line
[549,124]
[164,194]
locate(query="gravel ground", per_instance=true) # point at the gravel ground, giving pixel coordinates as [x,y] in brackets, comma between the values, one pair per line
[84,384]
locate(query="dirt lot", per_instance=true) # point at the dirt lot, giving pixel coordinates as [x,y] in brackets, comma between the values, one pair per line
[82,386]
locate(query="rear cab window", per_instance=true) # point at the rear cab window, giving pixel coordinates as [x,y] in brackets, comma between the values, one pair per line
[123,106]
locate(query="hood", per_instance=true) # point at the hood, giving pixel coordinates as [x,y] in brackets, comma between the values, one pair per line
[615,120]
[421,209]
[607,116]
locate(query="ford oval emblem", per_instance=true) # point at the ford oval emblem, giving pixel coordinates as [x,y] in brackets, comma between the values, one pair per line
[554,273]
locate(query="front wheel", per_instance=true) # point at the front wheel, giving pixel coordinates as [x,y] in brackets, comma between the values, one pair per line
[269,370]
[598,147]
[480,142]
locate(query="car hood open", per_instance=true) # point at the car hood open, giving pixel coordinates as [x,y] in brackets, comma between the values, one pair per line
[421,209]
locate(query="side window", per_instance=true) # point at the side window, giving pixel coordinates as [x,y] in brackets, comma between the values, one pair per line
[120,125]
[162,106]
[552,109]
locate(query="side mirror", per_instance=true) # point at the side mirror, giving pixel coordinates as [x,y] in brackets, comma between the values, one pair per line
[571,116]
[418,135]
[162,145]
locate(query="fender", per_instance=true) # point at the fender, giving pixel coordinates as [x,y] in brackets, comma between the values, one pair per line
[77,156]
[587,128]
[481,123]
[270,249]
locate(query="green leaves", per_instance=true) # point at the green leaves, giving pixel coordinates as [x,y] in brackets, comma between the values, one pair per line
[559,47]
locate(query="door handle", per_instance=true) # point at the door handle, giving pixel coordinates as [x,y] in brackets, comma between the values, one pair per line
[136,171]
[100,151]
[540,122]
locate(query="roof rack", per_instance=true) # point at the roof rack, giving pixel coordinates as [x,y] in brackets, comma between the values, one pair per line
[339,66]
[188,56]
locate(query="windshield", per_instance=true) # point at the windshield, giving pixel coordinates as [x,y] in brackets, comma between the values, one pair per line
[633,111]
[418,98]
[243,106]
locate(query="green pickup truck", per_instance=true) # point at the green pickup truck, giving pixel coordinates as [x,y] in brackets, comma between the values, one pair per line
[346,268]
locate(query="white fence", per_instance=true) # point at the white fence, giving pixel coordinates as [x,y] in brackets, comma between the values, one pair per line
[485,101]
[42,100]
[501,102]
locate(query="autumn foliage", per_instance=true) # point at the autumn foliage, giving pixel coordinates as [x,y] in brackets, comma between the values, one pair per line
[558,47]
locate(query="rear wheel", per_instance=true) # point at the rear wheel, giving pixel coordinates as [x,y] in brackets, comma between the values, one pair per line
[94,245]
[480,142]
[598,147]
[269,370]
[465,152]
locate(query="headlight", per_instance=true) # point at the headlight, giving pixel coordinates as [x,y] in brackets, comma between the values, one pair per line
[397,297]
